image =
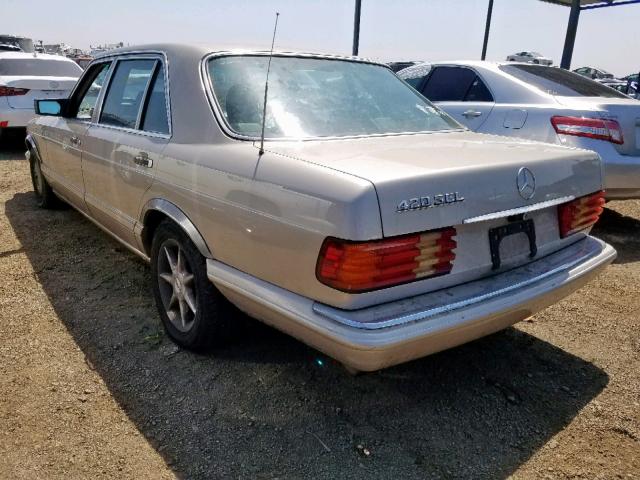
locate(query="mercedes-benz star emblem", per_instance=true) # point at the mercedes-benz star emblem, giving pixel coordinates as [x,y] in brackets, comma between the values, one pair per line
[526,183]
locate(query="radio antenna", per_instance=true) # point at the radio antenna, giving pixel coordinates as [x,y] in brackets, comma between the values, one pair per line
[266,87]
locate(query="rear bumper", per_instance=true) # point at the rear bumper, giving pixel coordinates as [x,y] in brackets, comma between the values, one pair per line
[380,336]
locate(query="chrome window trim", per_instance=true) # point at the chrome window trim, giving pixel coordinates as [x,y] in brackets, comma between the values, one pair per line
[519,210]
[226,129]
[114,58]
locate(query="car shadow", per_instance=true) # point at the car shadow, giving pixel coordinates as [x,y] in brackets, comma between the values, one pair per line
[12,145]
[621,231]
[268,406]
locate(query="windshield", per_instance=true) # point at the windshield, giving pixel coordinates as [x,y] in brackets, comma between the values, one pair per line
[557,81]
[312,97]
[39,67]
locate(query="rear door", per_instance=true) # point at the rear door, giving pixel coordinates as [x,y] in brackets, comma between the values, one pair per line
[125,145]
[461,93]
[65,136]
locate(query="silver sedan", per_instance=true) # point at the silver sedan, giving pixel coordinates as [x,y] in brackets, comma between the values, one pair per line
[540,103]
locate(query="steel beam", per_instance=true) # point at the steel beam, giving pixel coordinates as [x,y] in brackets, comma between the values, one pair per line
[356,28]
[570,39]
[486,30]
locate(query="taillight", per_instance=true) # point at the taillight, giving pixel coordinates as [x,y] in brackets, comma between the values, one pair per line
[362,266]
[580,214]
[598,128]
[12,92]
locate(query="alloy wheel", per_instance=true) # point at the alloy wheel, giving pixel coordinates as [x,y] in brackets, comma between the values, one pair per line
[177,286]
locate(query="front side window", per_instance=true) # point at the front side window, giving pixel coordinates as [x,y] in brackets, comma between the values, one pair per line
[126,93]
[557,81]
[318,97]
[95,80]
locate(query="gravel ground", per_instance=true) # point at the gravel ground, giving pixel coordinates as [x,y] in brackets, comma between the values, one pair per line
[91,387]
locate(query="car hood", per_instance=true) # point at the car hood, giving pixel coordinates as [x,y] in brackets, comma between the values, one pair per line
[463,174]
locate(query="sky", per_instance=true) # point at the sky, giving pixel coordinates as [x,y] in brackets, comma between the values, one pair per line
[427,30]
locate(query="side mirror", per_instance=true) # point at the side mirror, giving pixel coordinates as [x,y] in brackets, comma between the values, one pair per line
[52,108]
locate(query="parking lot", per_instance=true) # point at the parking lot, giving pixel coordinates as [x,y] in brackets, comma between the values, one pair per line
[93,387]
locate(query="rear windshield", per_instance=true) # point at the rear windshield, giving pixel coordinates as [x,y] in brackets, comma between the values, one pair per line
[39,67]
[557,81]
[318,97]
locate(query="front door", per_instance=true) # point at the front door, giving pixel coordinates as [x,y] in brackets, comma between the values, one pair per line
[62,164]
[125,145]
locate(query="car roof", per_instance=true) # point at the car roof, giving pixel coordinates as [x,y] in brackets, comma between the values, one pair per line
[31,56]
[200,50]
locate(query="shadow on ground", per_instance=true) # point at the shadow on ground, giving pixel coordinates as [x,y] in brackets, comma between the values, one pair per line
[621,231]
[12,145]
[268,406]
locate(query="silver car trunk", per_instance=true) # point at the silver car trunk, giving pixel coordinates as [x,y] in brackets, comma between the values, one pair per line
[625,110]
[39,88]
[463,175]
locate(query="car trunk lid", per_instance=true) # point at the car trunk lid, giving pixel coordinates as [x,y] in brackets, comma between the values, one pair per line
[431,181]
[626,111]
[38,88]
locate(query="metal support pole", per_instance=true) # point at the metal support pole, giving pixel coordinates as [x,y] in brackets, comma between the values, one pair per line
[486,30]
[570,39]
[356,28]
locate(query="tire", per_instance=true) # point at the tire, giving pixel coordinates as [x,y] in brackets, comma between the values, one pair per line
[195,315]
[537,62]
[45,198]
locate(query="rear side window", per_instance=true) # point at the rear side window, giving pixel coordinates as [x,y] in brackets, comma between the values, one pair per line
[456,84]
[155,117]
[557,81]
[39,67]
[126,93]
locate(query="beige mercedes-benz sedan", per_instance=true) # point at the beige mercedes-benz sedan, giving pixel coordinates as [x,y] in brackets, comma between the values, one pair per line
[371,225]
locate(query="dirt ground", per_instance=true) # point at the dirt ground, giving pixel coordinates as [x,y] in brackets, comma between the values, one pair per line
[91,388]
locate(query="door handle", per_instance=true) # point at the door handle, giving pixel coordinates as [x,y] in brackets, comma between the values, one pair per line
[75,141]
[143,160]
[471,113]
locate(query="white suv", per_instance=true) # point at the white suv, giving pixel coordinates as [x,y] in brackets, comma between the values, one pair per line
[25,77]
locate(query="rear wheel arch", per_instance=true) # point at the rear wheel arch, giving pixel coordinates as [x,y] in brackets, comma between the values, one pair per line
[157,210]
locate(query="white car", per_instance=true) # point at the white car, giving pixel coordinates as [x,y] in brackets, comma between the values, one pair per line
[540,103]
[529,57]
[25,77]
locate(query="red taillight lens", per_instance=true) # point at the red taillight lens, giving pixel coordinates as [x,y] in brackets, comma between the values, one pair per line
[362,266]
[598,128]
[580,214]
[12,92]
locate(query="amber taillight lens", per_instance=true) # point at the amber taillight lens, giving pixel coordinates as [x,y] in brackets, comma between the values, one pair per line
[363,266]
[580,213]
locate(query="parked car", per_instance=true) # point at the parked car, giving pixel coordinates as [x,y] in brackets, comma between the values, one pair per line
[632,85]
[594,73]
[27,76]
[540,103]
[619,85]
[529,57]
[7,47]
[371,225]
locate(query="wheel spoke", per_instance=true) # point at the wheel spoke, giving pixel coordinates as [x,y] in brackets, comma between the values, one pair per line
[187,279]
[183,312]
[172,300]
[180,262]
[190,299]
[172,261]
[167,277]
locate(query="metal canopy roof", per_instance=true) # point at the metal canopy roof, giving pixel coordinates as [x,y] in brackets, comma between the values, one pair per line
[591,4]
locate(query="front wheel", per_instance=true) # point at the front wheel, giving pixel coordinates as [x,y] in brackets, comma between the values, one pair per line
[194,313]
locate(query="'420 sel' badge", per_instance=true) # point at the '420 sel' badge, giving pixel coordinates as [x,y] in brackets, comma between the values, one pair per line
[427,201]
